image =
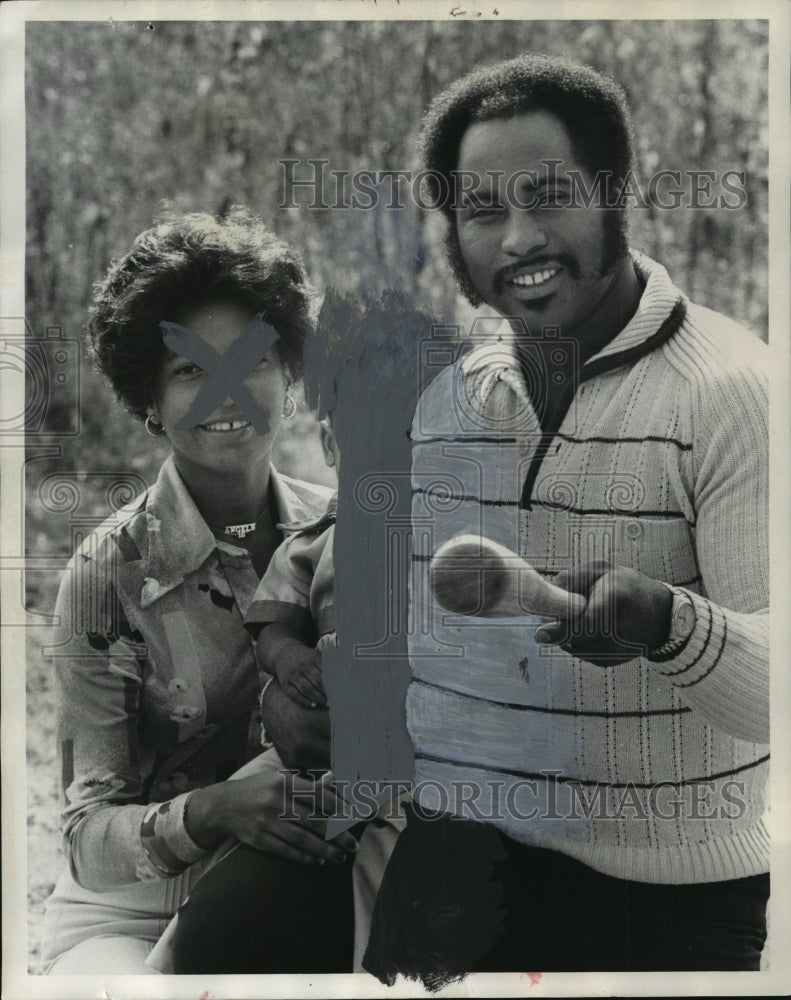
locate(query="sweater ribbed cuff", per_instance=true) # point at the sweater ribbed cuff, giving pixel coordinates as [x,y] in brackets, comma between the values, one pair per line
[702,651]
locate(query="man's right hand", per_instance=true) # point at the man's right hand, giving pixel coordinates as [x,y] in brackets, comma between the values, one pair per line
[301,735]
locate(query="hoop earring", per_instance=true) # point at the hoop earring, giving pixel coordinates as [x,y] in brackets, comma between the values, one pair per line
[289,407]
[153,426]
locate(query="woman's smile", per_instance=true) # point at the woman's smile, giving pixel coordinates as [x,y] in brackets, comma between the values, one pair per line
[226,426]
[226,441]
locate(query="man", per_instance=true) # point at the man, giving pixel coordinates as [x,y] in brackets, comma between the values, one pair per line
[610,768]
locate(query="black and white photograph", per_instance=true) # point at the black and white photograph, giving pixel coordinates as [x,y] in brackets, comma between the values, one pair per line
[394,434]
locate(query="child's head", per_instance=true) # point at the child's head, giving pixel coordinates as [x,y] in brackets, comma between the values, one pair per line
[359,358]
[374,339]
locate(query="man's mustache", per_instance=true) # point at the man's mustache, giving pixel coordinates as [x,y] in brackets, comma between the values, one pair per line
[566,260]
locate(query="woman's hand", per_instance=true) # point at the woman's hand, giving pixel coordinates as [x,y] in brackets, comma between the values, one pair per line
[272,810]
[627,614]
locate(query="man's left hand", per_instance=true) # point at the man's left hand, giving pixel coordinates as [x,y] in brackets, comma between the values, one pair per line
[627,614]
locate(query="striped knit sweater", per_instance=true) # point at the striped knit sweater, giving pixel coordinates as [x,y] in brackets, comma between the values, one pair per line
[655,769]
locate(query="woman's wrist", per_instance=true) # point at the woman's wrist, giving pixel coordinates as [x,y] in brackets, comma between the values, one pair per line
[204,815]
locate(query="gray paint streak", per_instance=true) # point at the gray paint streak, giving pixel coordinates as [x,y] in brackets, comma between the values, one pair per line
[366,676]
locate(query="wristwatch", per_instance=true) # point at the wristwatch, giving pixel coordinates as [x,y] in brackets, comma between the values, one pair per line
[682,623]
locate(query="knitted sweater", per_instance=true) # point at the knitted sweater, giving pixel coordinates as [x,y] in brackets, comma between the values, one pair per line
[654,769]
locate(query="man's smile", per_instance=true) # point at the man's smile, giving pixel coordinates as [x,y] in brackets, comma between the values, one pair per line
[532,280]
[533,284]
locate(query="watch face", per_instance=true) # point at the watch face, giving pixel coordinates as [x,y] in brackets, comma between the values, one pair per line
[684,618]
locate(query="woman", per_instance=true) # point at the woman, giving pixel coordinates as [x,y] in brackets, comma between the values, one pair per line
[199,329]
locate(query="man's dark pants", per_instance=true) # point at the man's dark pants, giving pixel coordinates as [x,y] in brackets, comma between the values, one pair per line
[458,897]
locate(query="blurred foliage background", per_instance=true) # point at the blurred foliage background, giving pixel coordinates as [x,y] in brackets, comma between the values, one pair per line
[122,116]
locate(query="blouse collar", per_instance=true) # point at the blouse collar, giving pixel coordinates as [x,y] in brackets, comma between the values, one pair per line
[179,540]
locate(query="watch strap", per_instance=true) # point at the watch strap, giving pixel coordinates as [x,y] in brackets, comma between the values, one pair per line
[675,642]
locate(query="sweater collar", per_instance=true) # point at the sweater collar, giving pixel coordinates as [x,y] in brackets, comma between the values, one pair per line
[660,297]
[179,540]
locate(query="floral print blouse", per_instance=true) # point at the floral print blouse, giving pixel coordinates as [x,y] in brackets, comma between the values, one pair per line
[156,680]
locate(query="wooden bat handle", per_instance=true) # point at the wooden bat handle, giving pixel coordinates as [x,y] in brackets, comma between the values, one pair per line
[472,575]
